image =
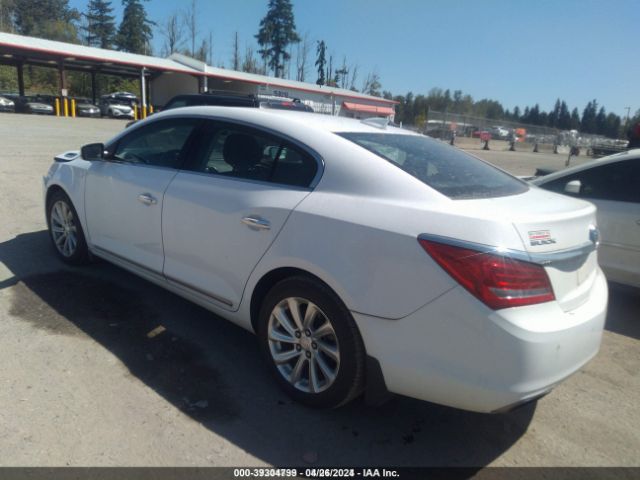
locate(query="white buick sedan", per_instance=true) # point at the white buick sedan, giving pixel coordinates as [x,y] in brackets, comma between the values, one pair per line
[366,258]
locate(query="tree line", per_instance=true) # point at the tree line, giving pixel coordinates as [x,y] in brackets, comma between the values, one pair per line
[414,109]
[282,52]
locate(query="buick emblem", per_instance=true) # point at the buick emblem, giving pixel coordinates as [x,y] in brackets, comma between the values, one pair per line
[594,235]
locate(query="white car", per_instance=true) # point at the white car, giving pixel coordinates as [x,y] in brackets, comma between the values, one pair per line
[613,184]
[364,257]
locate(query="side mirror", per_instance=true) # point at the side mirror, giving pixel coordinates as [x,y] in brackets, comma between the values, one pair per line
[573,187]
[93,151]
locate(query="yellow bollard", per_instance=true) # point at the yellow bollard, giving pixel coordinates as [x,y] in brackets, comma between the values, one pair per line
[135,111]
[144,111]
[57,107]
[150,109]
[73,107]
[66,107]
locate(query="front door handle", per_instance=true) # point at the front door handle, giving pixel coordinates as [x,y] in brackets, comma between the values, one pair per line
[257,223]
[147,199]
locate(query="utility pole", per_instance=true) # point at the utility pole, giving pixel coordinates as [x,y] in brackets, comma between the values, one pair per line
[626,123]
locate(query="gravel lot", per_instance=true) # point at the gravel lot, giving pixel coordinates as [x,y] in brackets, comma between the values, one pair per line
[83,384]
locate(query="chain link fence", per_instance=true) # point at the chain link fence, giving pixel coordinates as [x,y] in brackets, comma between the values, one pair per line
[515,135]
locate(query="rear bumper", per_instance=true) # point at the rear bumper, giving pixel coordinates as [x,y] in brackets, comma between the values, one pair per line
[457,352]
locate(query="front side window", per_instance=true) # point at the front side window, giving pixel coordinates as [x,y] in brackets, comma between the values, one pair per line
[619,181]
[240,152]
[158,144]
[443,168]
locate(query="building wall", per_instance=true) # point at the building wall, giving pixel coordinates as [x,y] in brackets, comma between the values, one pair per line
[168,85]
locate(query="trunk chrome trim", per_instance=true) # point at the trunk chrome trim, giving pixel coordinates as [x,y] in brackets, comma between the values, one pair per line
[101,252]
[546,258]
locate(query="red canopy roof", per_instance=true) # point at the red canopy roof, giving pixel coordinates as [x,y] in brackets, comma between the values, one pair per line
[359,107]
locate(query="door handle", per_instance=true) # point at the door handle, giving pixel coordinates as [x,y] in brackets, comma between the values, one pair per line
[257,223]
[638,222]
[147,199]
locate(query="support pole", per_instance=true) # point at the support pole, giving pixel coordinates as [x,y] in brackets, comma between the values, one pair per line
[143,89]
[20,71]
[62,84]
[94,93]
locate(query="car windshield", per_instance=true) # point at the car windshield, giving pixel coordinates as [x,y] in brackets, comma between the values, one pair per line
[443,168]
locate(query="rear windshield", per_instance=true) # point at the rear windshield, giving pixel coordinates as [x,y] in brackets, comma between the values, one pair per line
[446,169]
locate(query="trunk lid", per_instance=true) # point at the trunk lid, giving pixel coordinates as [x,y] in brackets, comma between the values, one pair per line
[555,230]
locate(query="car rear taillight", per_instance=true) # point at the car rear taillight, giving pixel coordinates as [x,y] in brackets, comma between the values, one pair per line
[498,281]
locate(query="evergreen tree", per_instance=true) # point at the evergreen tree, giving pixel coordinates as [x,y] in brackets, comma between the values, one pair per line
[554,116]
[100,30]
[321,62]
[588,122]
[575,119]
[6,13]
[134,34]
[612,126]
[50,19]
[564,118]
[277,32]
[516,113]
[601,122]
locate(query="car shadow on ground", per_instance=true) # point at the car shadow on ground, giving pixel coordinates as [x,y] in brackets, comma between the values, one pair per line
[623,316]
[211,370]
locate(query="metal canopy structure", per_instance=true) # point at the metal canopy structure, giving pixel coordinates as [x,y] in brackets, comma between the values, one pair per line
[19,50]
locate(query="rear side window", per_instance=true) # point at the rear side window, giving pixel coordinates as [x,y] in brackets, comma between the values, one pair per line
[241,152]
[445,169]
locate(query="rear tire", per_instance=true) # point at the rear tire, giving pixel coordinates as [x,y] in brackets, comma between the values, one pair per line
[316,355]
[66,231]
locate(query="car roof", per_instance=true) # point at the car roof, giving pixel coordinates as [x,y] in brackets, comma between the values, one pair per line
[616,157]
[329,123]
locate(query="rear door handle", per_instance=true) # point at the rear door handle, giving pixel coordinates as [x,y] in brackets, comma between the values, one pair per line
[257,223]
[147,199]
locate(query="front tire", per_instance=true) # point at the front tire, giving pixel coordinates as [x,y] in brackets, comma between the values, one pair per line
[311,343]
[65,230]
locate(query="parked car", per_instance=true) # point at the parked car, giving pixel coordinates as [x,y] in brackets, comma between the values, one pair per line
[131,97]
[613,184]
[233,99]
[440,133]
[31,104]
[361,255]
[7,105]
[113,107]
[85,108]
[500,133]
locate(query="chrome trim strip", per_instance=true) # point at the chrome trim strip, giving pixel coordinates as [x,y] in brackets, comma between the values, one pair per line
[547,258]
[99,250]
[224,301]
[195,289]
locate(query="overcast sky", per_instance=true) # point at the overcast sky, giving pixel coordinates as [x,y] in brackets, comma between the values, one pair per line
[515,51]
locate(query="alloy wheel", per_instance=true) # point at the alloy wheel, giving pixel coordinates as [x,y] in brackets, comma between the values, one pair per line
[303,345]
[63,228]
